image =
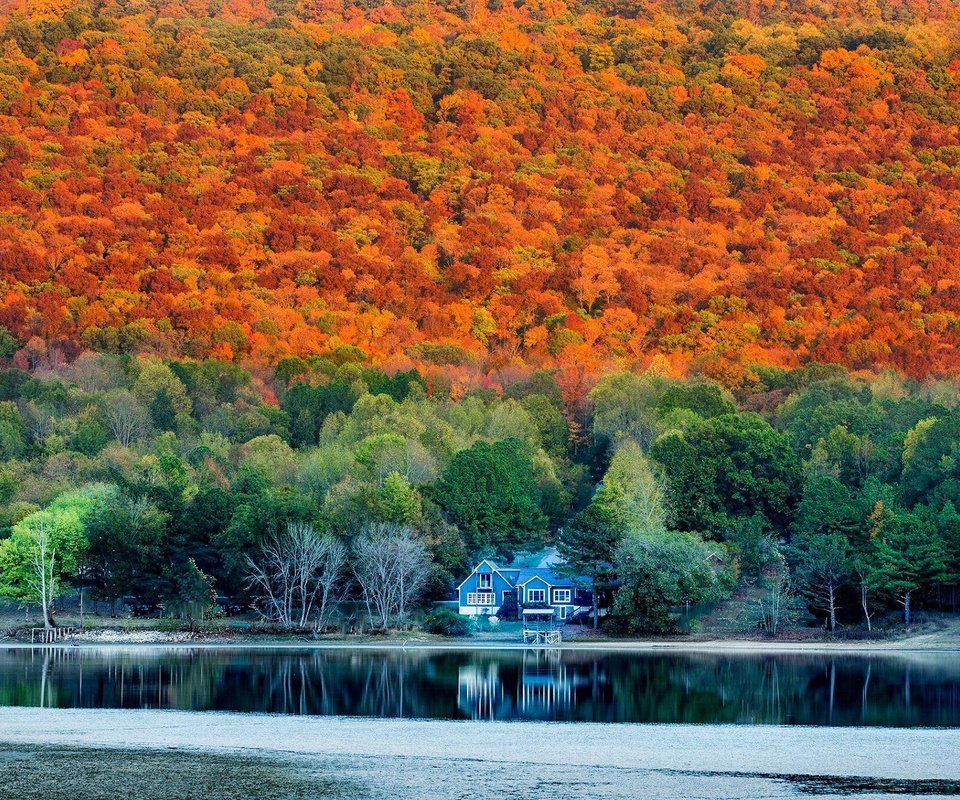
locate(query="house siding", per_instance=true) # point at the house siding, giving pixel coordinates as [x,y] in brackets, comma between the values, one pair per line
[536,585]
[557,592]
[471,586]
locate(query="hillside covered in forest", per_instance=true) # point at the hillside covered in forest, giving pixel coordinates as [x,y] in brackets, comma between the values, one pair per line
[481,190]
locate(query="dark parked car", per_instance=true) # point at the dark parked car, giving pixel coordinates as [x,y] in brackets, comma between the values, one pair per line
[231,607]
[139,607]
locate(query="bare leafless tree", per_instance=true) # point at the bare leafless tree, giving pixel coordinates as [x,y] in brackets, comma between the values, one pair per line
[39,419]
[391,567]
[776,607]
[865,581]
[94,372]
[126,416]
[298,575]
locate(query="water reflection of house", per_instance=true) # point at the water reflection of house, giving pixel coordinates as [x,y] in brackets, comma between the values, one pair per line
[480,692]
[537,685]
[546,685]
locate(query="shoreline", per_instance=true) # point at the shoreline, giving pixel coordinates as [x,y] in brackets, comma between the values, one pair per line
[645,647]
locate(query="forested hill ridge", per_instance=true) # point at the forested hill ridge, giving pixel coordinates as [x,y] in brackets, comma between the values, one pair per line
[474,188]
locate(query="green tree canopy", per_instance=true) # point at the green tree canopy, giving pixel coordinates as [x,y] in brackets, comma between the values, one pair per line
[589,544]
[660,570]
[47,547]
[125,539]
[490,493]
[735,465]
[823,565]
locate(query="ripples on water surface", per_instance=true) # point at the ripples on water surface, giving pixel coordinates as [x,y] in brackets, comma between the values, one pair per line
[587,686]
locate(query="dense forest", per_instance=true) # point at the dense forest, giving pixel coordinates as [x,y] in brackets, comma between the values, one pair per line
[477,188]
[311,300]
[175,482]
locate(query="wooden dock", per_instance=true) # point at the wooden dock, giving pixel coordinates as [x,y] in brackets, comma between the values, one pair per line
[541,638]
[50,635]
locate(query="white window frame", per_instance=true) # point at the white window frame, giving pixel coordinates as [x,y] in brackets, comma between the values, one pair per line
[564,596]
[541,595]
[481,599]
[484,580]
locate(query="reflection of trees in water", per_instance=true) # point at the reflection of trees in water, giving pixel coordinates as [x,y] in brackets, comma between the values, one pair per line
[811,690]
[343,682]
[520,684]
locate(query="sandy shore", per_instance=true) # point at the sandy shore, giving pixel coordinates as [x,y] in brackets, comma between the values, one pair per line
[893,753]
[412,759]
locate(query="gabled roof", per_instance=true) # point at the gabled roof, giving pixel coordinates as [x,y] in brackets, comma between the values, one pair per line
[545,574]
[521,576]
[493,568]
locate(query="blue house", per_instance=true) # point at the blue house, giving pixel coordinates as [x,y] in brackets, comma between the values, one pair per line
[485,589]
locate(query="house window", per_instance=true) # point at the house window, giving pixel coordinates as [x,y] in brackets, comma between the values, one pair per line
[561,595]
[536,595]
[480,599]
[485,580]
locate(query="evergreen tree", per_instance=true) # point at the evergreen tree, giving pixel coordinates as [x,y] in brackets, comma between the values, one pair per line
[909,557]
[822,566]
[588,545]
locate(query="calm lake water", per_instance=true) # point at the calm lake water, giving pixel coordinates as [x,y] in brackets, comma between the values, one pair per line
[579,686]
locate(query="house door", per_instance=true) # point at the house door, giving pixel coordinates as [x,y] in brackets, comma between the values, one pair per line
[562,612]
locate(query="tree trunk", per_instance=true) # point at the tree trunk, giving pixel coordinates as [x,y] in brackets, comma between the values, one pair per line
[833,610]
[596,607]
[906,609]
[865,605]
[44,589]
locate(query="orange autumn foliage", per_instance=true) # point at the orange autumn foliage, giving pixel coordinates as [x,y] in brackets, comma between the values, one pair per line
[477,186]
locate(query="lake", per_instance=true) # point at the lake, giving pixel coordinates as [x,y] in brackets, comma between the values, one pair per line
[907,690]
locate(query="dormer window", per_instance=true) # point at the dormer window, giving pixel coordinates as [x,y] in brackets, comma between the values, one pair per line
[486,580]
